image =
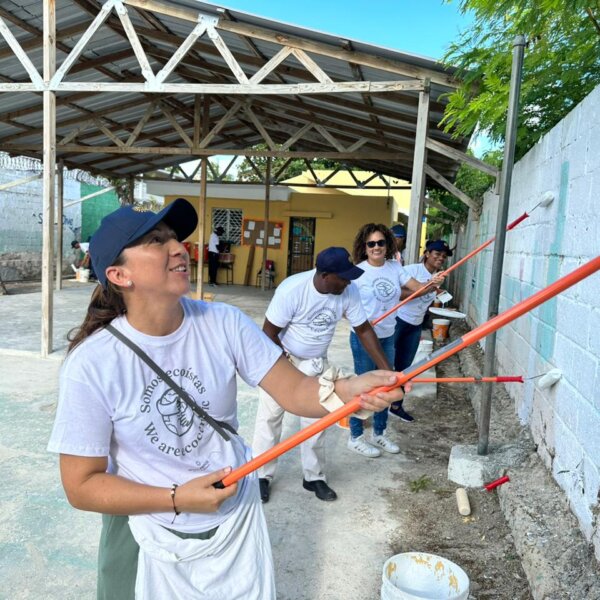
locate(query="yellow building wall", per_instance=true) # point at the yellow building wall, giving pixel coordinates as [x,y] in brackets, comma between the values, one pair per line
[338,218]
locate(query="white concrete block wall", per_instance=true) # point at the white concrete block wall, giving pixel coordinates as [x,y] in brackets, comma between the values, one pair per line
[21,225]
[563,333]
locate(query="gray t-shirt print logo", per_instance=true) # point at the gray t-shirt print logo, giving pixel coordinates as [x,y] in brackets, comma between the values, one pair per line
[383,289]
[176,414]
[322,320]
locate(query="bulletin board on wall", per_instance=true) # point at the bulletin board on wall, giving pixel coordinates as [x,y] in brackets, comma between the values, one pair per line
[253,233]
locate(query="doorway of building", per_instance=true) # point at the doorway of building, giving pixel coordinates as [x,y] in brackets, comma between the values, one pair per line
[302,245]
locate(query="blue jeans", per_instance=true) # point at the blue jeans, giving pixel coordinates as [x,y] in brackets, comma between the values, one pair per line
[362,364]
[407,338]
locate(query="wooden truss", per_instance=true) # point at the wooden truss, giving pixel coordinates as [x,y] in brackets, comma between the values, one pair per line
[190,84]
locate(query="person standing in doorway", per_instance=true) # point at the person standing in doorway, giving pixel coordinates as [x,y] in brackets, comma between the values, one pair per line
[213,255]
[301,319]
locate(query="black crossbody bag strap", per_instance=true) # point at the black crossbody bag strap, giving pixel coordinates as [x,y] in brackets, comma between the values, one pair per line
[218,426]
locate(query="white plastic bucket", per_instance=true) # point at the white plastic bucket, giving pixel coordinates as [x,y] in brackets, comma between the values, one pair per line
[425,347]
[440,329]
[422,576]
[83,275]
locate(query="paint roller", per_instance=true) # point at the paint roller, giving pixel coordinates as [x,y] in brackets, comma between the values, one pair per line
[547,198]
[549,379]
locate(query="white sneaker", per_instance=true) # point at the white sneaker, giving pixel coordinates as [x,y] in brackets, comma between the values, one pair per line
[361,446]
[380,441]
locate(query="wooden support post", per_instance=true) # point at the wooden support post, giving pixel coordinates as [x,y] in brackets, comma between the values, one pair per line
[201,223]
[417,192]
[203,131]
[59,225]
[49,103]
[264,276]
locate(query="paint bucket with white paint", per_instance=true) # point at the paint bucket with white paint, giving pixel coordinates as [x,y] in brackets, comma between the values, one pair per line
[440,329]
[83,275]
[422,576]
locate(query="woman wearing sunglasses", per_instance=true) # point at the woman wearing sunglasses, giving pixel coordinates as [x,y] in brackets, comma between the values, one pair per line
[382,285]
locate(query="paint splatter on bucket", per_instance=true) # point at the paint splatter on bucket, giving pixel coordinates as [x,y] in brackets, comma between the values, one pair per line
[440,329]
[422,576]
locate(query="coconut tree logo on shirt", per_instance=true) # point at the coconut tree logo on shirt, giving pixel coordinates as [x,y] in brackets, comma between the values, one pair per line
[383,289]
[176,414]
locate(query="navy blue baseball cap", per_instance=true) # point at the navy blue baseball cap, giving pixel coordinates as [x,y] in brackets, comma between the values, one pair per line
[129,223]
[399,231]
[337,261]
[439,245]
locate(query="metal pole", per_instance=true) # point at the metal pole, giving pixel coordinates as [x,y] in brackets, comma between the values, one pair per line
[502,218]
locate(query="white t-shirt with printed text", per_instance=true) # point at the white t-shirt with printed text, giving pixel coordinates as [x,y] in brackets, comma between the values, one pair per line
[112,404]
[413,312]
[308,318]
[380,289]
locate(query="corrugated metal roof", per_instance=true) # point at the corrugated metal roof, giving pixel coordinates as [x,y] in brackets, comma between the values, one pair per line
[387,120]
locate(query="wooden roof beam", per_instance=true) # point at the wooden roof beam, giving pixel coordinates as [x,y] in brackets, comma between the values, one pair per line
[391,66]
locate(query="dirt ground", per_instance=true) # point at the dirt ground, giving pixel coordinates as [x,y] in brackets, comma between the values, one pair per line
[480,543]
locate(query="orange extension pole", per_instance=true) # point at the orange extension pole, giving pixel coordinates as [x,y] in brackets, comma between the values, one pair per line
[499,379]
[449,270]
[437,357]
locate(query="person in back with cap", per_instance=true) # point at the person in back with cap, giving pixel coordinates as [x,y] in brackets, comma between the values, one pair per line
[213,255]
[400,238]
[147,415]
[409,318]
[383,284]
[301,318]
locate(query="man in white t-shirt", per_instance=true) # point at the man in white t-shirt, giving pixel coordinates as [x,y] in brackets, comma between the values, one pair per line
[213,255]
[82,259]
[301,318]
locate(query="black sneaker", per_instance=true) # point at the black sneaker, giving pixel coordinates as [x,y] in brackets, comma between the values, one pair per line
[397,410]
[263,484]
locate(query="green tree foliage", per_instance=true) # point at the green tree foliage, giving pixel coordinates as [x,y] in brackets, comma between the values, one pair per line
[296,167]
[472,182]
[561,65]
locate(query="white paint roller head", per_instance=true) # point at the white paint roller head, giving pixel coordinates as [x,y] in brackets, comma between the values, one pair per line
[547,198]
[549,379]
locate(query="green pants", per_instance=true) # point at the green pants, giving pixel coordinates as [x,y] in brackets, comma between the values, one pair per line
[118,557]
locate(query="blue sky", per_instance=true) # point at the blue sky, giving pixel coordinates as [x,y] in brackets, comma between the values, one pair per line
[424,27]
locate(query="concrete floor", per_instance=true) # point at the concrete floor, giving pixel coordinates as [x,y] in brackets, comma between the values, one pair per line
[324,551]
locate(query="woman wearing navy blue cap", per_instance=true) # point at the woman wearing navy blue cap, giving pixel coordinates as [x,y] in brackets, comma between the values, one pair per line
[409,318]
[146,419]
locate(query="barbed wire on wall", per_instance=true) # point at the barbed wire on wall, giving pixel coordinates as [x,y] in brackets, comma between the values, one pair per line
[25,163]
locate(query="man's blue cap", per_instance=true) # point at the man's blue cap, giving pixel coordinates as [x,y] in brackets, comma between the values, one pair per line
[399,231]
[337,261]
[439,245]
[129,223]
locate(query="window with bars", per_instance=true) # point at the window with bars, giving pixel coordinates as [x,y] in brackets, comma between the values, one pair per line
[230,219]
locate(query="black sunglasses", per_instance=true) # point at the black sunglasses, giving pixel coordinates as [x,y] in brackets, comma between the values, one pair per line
[380,243]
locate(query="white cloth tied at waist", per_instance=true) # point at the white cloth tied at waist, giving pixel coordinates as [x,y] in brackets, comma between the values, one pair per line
[328,375]
[235,564]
